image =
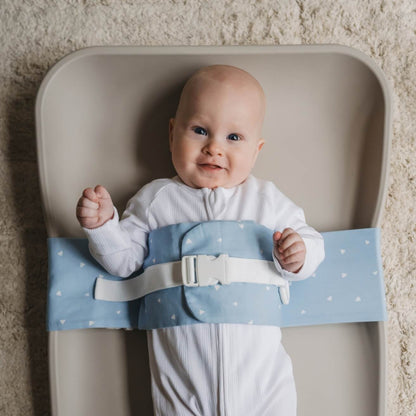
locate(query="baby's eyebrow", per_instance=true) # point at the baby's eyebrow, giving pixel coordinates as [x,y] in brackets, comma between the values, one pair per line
[197,119]
[196,122]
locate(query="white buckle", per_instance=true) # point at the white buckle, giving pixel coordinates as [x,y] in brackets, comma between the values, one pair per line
[202,270]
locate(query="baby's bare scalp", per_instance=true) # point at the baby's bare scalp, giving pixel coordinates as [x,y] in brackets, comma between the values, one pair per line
[229,77]
[224,74]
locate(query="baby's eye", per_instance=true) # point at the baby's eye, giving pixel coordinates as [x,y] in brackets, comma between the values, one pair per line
[233,136]
[200,130]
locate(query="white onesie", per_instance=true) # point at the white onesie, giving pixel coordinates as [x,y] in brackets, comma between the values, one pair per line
[210,369]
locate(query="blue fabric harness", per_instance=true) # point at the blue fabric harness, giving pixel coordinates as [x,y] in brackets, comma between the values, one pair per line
[347,287]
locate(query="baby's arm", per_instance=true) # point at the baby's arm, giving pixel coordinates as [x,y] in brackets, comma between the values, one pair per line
[119,246]
[298,248]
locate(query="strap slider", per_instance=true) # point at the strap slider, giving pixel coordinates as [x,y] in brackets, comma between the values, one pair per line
[202,270]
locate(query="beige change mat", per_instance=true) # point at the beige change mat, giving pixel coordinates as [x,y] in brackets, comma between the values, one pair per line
[102,118]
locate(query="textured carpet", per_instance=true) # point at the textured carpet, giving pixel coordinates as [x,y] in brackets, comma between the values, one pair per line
[34,34]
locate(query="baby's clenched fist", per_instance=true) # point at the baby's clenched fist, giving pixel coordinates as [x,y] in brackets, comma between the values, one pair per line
[289,249]
[95,207]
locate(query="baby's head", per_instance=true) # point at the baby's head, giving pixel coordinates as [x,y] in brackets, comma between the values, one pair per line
[215,136]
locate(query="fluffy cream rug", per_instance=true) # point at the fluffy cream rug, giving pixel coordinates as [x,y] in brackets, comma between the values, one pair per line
[34,34]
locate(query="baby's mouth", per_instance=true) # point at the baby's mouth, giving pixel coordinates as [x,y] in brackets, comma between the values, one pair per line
[210,166]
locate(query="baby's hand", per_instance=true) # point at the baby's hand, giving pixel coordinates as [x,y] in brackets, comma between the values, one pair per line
[95,207]
[289,249]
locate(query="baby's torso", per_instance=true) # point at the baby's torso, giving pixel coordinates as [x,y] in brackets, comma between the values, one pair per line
[176,203]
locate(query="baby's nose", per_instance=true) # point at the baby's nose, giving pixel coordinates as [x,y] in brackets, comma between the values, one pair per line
[213,147]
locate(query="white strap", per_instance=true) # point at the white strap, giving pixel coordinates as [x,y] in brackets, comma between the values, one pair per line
[193,271]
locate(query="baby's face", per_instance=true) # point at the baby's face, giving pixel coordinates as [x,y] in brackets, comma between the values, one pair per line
[215,137]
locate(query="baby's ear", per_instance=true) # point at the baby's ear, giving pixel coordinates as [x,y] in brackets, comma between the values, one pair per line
[260,144]
[171,126]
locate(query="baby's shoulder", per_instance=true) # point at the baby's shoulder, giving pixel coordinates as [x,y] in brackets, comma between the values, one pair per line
[151,190]
[262,186]
[142,202]
[267,192]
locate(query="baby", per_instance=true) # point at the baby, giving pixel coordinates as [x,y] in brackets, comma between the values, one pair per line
[211,369]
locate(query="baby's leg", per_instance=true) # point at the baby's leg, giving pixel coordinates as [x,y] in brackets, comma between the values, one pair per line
[184,370]
[216,370]
[259,372]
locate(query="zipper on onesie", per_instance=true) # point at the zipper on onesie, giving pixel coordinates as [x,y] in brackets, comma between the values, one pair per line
[224,388]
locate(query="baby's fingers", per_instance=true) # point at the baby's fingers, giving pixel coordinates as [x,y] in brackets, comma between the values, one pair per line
[288,241]
[85,212]
[295,258]
[95,207]
[101,192]
[276,237]
[294,247]
[293,267]
[87,203]
[90,194]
